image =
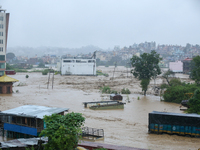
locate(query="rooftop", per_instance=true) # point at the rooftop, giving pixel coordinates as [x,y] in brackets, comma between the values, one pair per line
[2,9]
[175,114]
[33,111]
[6,78]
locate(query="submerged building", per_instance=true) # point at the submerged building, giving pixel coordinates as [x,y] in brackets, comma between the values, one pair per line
[6,84]
[4,20]
[26,121]
[78,66]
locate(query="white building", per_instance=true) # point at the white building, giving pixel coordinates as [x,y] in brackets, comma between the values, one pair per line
[4,20]
[78,66]
[176,66]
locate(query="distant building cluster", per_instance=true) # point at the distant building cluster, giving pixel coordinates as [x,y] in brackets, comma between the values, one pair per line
[175,57]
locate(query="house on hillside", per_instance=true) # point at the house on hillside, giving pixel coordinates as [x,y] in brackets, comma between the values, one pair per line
[187,65]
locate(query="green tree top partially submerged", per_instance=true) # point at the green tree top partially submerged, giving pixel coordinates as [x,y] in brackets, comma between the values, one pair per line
[145,67]
[63,132]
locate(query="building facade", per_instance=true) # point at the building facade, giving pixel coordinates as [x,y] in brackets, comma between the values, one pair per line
[176,66]
[78,66]
[187,65]
[27,121]
[4,20]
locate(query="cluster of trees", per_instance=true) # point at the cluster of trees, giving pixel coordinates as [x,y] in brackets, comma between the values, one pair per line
[146,68]
[63,131]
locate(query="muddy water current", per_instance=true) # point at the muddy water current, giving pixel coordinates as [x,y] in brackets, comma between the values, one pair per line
[128,126]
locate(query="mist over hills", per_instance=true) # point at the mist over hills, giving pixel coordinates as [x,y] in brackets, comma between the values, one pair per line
[58,51]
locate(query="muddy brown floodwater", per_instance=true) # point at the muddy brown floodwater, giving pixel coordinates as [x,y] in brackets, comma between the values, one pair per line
[127,127]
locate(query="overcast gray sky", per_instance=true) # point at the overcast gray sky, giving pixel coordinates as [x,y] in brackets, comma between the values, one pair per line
[102,23]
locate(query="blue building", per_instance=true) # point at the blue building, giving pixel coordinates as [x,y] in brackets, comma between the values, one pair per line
[27,121]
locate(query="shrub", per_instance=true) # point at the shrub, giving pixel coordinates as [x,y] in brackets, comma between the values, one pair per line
[57,72]
[177,93]
[27,76]
[113,92]
[125,91]
[175,82]
[45,72]
[194,103]
[105,89]
[99,73]
[164,85]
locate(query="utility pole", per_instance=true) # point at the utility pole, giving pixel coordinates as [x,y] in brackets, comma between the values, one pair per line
[114,69]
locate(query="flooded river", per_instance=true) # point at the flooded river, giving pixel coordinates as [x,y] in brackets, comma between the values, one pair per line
[127,127]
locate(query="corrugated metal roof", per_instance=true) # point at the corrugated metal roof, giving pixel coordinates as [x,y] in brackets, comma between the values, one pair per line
[34,111]
[22,142]
[175,114]
[6,78]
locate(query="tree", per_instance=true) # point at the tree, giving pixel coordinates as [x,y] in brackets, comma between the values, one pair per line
[9,67]
[194,103]
[144,84]
[195,72]
[145,67]
[63,131]
[10,55]
[41,65]
[167,75]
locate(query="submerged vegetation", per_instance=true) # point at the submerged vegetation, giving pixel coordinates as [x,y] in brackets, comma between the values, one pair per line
[107,90]
[100,73]
[177,93]
[125,91]
[194,103]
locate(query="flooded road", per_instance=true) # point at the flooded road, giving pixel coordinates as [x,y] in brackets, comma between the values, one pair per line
[127,127]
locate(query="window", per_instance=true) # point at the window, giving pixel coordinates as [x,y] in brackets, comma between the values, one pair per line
[80,61]
[1,73]
[1,49]
[68,61]
[2,57]
[2,65]
[1,26]
[91,61]
[1,41]
[1,33]
[1,18]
